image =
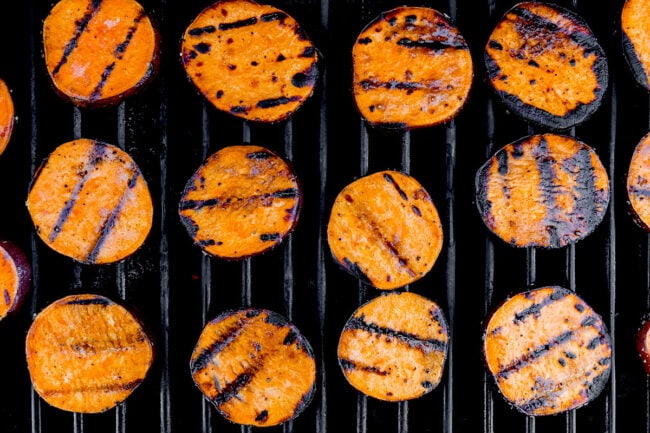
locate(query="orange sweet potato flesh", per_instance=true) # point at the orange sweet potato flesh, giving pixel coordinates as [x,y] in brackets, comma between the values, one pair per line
[242,201]
[87,354]
[638,187]
[548,351]
[89,201]
[394,347]
[385,230]
[99,52]
[251,60]
[544,190]
[255,367]
[635,20]
[6,116]
[412,69]
[546,65]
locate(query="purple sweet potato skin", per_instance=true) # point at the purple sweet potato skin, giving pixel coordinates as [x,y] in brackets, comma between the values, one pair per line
[24,271]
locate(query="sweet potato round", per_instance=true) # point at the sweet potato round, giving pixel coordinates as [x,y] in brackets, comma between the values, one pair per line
[15,278]
[6,116]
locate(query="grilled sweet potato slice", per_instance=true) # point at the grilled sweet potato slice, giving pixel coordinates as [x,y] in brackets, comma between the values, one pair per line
[87,354]
[98,53]
[548,351]
[638,187]
[385,230]
[251,60]
[255,367]
[242,201]
[643,343]
[412,69]
[544,190]
[89,201]
[635,21]
[6,116]
[394,347]
[546,65]
[15,278]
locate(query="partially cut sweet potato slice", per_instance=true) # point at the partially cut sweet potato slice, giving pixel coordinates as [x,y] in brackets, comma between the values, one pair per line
[412,69]
[255,367]
[15,278]
[394,347]
[638,183]
[87,354]
[89,201]
[635,21]
[547,350]
[98,53]
[6,116]
[385,230]
[546,65]
[251,60]
[544,190]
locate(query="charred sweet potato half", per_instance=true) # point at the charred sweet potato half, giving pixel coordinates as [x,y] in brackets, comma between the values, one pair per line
[98,53]
[548,351]
[87,354]
[255,367]
[635,21]
[643,343]
[394,347]
[6,116]
[385,230]
[638,186]
[89,201]
[546,65]
[242,201]
[411,68]
[543,190]
[15,278]
[251,60]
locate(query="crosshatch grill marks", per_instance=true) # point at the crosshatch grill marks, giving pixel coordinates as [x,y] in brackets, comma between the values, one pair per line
[234,45]
[255,367]
[548,351]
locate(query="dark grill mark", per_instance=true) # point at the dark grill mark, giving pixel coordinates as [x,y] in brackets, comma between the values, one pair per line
[401,192]
[291,337]
[90,301]
[269,103]
[534,354]
[238,24]
[588,200]
[570,355]
[308,52]
[274,16]
[226,202]
[232,389]
[589,321]
[495,45]
[121,48]
[238,109]
[281,58]
[536,308]
[547,186]
[305,78]
[269,237]
[579,307]
[351,365]
[102,82]
[356,270]
[502,160]
[275,319]
[263,416]
[431,45]
[364,41]
[206,355]
[409,86]
[198,31]
[427,385]
[533,64]
[202,47]
[95,157]
[534,404]
[286,193]
[260,155]
[641,192]
[109,387]
[595,342]
[412,340]
[82,24]
[7,297]
[205,242]
[416,210]
[198,204]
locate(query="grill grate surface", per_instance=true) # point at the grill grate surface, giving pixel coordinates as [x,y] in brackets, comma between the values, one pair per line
[169,130]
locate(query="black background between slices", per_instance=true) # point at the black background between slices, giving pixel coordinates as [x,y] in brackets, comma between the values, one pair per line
[164,130]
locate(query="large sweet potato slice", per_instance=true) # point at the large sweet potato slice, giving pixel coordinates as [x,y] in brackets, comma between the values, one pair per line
[6,116]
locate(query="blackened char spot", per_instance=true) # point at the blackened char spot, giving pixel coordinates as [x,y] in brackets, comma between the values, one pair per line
[198,31]
[286,193]
[259,155]
[219,94]
[225,339]
[274,16]
[267,237]
[495,45]
[364,41]
[533,64]
[401,192]
[589,321]
[281,58]
[291,337]
[205,242]
[270,103]
[90,301]
[502,159]
[82,24]
[356,270]
[410,19]
[237,24]
[238,109]
[535,309]
[202,47]
[308,52]
[595,342]
[275,319]
[431,44]
[262,417]
[306,77]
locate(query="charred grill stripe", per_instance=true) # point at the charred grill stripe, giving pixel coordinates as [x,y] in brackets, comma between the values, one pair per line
[82,24]
[593,388]
[121,48]
[589,321]
[268,237]
[260,155]
[96,154]
[392,180]
[411,339]
[90,301]
[232,389]
[274,102]
[231,334]
[109,223]
[273,16]
[373,84]
[7,297]
[536,403]
[433,45]
[349,365]
[595,342]
[198,31]
[548,190]
[535,353]
[640,192]
[502,159]
[109,387]
[536,308]
[226,202]
[238,24]
[102,81]
[198,204]
[587,201]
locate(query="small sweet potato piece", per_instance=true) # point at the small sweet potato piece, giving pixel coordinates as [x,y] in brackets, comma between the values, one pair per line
[242,201]
[543,191]
[547,350]
[89,201]
[87,354]
[98,53]
[251,60]
[394,347]
[638,189]
[6,116]
[412,69]
[546,65]
[643,343]
[385,230]
[635,21]
[15,278]
[255,367]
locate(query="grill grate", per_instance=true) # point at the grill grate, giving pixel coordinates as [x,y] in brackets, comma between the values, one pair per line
[169,129]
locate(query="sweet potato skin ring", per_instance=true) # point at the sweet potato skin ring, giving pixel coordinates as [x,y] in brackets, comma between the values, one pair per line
[15,278]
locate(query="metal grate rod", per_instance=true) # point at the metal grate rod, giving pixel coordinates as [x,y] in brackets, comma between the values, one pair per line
[450,273]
